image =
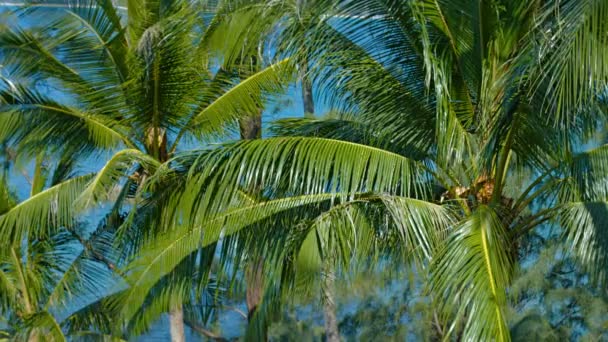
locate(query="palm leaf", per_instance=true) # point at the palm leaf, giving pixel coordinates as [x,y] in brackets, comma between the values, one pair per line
[102,20]
[43,213]
[572,68]
[163,254]
[117,168]
[305,166]
[585,226]
[472,274]
[243,99]
[34,119]
[44,324]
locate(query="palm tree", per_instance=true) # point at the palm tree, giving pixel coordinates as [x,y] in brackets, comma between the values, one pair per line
[91,80]
[44,281]
[291,25]
[457,106]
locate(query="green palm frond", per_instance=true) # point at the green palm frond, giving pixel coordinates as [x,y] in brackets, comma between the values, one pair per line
[181,287]
[245,98]
[78,282]
[9,292]
[40,55]
[585,225]
[117,168]
[216,177]
[237,29]
[306,166]
[102,20]
[44,324]
[422,226]
[43,213]
[472,274]
[94,316]
[353,129]
[33,119]
[388,95]
[334,238]
[589,171]
[571,68]
[166,251]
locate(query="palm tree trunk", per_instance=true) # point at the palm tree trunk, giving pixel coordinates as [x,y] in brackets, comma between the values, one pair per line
[332,332]
[254,276]
[176,322]
[307,98]
[251,126]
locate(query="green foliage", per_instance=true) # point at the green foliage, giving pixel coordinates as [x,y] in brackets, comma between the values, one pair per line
[463,127]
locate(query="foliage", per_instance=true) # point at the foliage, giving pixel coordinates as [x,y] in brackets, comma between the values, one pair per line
[461,128]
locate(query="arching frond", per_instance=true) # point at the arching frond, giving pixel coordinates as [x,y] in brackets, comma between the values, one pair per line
[586,230]
[43,213]
[569,68]
[166,251]
[37,120]
[354,129]
[117,168]
[305,166]
[334,238]
[472,274]
[422,226]
[102,20]
[79,282]
[245,98]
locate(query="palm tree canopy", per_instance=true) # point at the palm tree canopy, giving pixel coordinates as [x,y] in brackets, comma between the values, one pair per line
[462,128]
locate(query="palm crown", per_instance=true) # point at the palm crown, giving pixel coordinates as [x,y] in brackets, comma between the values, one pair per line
[449,106]
[439,143]
[136,86]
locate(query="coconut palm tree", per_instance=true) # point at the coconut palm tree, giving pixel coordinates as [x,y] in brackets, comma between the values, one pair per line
[47,279]
[468,119]
[91,80]
[291,26]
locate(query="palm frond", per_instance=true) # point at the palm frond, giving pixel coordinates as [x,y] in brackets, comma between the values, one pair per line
[102,20]
[589,172]
[334,238]
[34,119]
[117,168]
[243,99]
[306,166]
[570,70]
[347,128]
[585,225]
[44,324]
[422,226]
[43,213]
[472,274]
[163,254]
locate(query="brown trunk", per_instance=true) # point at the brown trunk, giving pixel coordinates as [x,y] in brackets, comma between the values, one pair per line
[307,99]
[332,332]
[160,134]
[254,276]
[251,127]
[176,322]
